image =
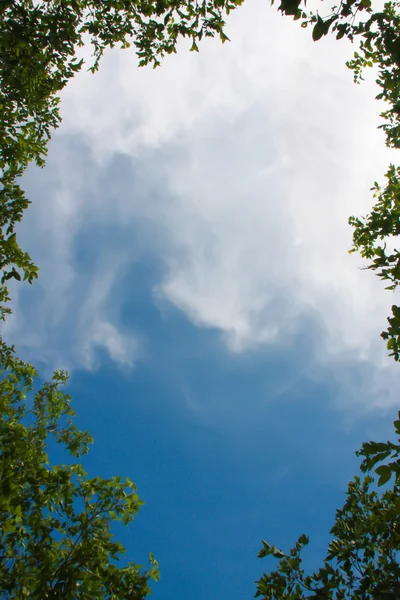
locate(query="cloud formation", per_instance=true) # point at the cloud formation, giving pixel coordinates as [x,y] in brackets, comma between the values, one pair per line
[237,169]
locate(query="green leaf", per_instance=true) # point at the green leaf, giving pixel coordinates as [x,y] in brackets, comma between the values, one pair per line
[321,28]
[16,275]
[289,7]
[384,473]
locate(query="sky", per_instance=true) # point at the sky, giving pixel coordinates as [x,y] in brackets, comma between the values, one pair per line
[191,232]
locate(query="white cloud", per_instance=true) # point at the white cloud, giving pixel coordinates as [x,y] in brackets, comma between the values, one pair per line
[251,156]
[68,314]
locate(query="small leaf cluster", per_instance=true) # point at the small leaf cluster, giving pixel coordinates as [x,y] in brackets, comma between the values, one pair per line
[348,19]
[371,237]
[378,452]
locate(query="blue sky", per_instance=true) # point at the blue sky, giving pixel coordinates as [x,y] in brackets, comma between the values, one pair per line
[224,351]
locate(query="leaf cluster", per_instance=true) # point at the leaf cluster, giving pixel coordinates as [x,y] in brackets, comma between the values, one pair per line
[55,521]
[371,237]
[362,561]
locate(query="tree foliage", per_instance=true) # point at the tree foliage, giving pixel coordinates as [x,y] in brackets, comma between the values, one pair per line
[55,521]
[362,561]
[374,237]
[55,536]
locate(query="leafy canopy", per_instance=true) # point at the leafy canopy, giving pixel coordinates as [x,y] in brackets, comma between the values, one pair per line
[55,536]
[55,521]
